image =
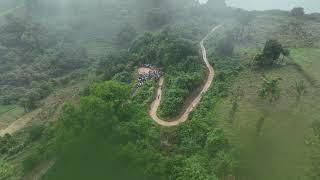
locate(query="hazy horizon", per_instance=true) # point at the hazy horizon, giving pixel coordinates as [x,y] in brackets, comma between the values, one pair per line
[309,5]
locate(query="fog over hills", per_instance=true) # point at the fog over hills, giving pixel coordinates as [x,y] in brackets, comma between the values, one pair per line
[309,5]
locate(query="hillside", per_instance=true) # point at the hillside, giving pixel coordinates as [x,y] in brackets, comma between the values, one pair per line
[159,90]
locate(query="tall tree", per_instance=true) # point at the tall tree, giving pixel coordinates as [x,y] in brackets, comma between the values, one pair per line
[297,11]
[271,53]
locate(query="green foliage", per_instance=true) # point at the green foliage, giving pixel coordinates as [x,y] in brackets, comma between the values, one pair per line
[177,88]
[271,53]
[216,141]
[107,118]
[35,132]
[10,145]
[114,65]
[7,142]
[180,60]
[314,172]
[192,135]
[29,101]
[300,89]
[111,91]
[223,164]
[145,94]
[31,161]
[286,52]
[191,168]
[32,60]
[235,98]
[164,49]
[5,169]
[272,50]
[122,136]
[270,89]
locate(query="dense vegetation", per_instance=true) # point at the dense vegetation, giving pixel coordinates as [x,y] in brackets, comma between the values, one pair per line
[123,137]
[248,115]
[34,61]
[180,61]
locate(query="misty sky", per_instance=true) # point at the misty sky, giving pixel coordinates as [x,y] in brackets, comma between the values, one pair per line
[309,5]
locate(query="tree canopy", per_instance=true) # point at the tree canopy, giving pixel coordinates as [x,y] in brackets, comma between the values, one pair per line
[271,53]
[297,11]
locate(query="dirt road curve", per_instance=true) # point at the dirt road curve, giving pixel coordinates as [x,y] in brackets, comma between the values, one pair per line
[182,118]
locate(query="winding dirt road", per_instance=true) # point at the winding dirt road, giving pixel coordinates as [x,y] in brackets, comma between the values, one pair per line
[183,117]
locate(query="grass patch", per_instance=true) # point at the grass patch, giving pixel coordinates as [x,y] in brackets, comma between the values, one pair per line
[5,109]
[279,152]
[308,59]
[10,113]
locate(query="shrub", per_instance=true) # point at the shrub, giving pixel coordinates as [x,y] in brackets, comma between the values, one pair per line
[216,141]
[35,132]
[5,169]
[271,53]
[297,11]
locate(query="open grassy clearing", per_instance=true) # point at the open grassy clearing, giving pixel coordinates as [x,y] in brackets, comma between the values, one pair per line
[280,152]
[5,109]
[308,59]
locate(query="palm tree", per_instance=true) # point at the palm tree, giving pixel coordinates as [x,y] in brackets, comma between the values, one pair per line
[270,89]
[300,89]
[236,97]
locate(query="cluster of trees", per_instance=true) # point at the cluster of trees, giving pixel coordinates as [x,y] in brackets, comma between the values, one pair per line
[115,133]
[271,91]
[108,117]
[163,49]
[5,169]
[109,120]
[297,11]
[181,62]
[179,85]
[271,54]
[108,127]
[9,145]
[207,146]
[33,60]
[236,96]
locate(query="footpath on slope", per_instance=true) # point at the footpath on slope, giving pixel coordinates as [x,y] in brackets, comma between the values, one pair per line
[184,116]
